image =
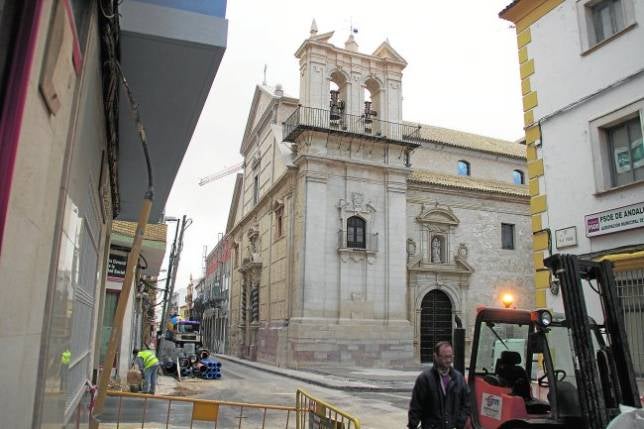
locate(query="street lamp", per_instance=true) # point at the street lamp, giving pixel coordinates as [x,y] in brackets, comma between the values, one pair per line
[507,299]
[169,274]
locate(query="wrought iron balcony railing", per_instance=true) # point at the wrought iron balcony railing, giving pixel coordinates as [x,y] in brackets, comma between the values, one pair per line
[311,118]
[370,243]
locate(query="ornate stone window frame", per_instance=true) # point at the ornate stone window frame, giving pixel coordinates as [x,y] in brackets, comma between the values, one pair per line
[366,211]
[436,223]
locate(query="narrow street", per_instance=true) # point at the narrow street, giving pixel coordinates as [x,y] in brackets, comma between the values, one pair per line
[239,383]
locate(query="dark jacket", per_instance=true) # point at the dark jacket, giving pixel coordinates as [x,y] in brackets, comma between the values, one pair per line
[434,409]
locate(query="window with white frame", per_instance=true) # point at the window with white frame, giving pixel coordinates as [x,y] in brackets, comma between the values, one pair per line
[616,145]
[607,18]
[626,152]
[600,20]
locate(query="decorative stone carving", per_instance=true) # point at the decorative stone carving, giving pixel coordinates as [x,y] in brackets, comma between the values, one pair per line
[357,199]
[437,215]
[253,243]
[462,251]
[411,247]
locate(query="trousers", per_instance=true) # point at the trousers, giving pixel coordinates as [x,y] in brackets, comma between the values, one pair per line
[150,379]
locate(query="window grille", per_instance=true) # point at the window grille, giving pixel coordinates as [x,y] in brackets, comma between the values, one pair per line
[356,233]
[630,289]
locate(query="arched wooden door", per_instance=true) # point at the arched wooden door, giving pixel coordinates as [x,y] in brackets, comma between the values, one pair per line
[435,322]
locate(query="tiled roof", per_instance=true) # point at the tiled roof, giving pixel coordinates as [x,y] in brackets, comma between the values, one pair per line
[508,7]
[468,183]
[153,231]
[471,141]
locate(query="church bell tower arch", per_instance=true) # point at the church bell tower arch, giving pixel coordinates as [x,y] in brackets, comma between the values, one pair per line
[354,73]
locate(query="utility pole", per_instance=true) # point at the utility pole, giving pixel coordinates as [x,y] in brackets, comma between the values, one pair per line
[169,274]
[185,223]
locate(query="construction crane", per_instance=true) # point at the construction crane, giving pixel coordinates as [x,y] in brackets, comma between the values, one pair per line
[221,173]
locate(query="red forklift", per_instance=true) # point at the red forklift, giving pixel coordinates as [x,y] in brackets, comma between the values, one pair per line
[536,369]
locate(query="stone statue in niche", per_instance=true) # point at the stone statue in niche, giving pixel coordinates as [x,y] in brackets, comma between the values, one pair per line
[436,250]
[411,247]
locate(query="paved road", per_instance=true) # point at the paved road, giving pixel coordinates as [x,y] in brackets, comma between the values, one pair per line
[241,383]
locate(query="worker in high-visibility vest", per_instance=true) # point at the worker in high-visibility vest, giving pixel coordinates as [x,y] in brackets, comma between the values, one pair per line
[148,364]
[65,359]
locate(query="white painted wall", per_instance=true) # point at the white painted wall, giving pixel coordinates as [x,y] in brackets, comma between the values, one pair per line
[570,172]
[562,73]
[565,73]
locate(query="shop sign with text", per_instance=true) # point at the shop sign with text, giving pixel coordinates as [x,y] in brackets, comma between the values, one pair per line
[619,219]
[116,266]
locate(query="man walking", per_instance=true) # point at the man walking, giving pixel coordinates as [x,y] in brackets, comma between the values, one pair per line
[441,398]
[148,364]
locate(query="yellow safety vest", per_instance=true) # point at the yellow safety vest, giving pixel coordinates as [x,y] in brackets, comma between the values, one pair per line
[149,358]
[65,357]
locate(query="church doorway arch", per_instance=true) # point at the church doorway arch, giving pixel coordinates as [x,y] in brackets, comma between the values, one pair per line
[435,322]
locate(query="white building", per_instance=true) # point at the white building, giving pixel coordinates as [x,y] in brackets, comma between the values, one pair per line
[360,239]
[583,85]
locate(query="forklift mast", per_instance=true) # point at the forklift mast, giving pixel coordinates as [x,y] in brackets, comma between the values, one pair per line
[607,379]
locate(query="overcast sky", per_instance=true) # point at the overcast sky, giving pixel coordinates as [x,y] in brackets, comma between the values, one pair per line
[463,73]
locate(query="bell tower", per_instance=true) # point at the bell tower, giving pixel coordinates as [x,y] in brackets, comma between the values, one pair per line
[346,80]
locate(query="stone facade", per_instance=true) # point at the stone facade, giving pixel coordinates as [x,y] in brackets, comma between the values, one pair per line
[334,222]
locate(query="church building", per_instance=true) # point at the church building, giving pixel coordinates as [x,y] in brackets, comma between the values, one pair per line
[360,239]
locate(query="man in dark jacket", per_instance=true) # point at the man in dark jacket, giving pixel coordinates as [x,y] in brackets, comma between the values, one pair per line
[441,398]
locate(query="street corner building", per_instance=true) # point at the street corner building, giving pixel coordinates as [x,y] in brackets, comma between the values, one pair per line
[72,180]
[584,142]
[358,238]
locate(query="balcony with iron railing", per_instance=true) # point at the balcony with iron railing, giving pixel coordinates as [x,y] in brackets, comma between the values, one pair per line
[351,243]
[365,126]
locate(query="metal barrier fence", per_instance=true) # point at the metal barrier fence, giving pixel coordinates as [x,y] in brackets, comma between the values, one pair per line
[126,410]
[630,288]
[313,413]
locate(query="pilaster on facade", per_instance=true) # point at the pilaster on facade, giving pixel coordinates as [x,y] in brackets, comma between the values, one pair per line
[523,15]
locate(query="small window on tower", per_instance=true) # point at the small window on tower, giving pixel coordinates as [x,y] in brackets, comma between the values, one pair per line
[518,178]
[279,222]
[463,168]
[256,190]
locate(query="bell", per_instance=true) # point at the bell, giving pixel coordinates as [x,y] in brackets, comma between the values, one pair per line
[333,106]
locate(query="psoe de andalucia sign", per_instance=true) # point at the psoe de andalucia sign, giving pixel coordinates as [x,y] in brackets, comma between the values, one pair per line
[619,219]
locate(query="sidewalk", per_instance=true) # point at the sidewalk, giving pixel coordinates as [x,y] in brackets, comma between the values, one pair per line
[347,379]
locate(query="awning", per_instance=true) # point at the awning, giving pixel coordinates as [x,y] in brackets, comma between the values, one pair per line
[626,261]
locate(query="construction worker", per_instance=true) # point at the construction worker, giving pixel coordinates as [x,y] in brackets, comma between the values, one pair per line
[65,359]
[148,364]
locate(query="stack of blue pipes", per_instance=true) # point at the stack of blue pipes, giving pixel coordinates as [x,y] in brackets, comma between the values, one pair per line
[212,369]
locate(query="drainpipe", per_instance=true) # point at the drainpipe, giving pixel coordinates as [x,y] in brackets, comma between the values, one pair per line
[15,99]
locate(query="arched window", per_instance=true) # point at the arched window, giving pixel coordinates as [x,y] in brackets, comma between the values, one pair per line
[356,232]
[517,177]
[463,168]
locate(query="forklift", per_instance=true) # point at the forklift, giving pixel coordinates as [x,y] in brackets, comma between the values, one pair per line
[538,369]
